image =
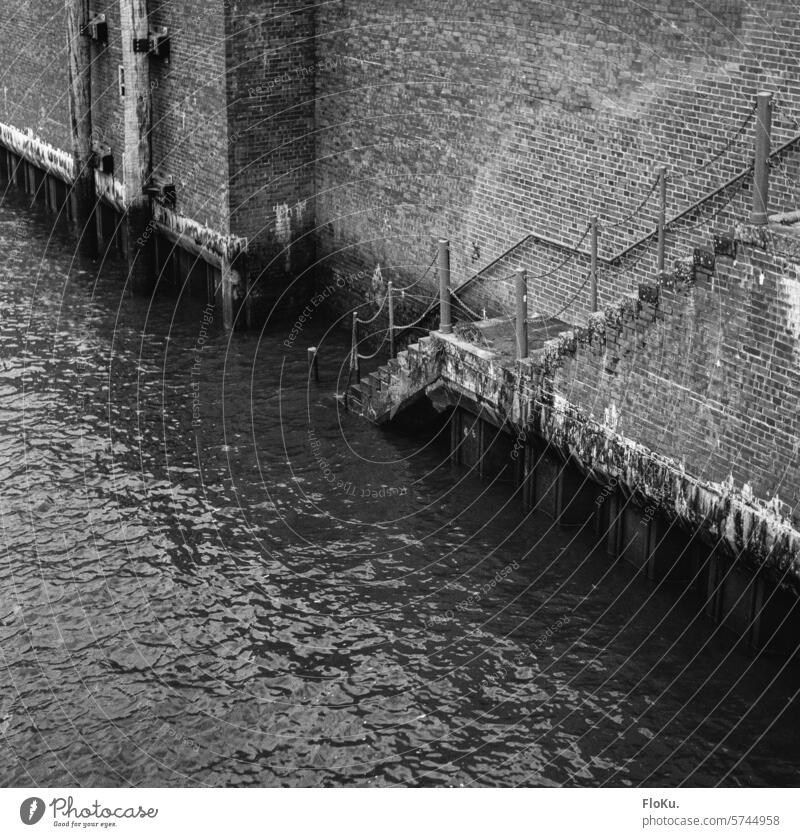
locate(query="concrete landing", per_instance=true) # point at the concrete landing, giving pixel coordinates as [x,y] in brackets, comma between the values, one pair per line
[499,334]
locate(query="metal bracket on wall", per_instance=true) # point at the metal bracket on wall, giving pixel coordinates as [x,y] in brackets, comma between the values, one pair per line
[157,44]
[704,259]
[102,157]
[161,190]
[96,28]
[726,245]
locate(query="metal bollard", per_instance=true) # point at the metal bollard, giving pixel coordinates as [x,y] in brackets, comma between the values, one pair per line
[390,303]
[522,313]
[313,367]
[354,357]
[445,322]
[759,215]
[593,281]
[662,217]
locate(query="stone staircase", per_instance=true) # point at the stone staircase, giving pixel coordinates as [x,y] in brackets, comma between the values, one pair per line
[392,387]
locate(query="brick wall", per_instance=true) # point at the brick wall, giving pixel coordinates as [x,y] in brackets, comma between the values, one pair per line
[189,140]
[189,95]
[271,63]
[358,133]
[35,92]
[484,121]
[707,377]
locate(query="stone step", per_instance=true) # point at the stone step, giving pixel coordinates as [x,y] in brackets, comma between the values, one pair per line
[355,398]
[378,383]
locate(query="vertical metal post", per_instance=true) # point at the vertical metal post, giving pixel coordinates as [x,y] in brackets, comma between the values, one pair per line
[13,164]
[594,264]
[390,302]
[313,367]
[761,164]
[522,313]
[53,185]
[354,362]
[662,217]
[445,324]
[229,278]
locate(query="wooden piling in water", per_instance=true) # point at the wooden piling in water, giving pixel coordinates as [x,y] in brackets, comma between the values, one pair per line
[134,30]
[229,279]
[83,197]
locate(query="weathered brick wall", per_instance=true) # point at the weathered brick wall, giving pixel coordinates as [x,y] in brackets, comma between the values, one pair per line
[34,91]
[189,139]
[189,95]
[271,65]
[484,121]
[708,377]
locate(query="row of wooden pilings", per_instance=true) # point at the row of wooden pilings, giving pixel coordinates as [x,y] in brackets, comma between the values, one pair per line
[620,526]
[174,265]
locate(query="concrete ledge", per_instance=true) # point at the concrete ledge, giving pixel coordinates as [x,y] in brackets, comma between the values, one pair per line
[48,158]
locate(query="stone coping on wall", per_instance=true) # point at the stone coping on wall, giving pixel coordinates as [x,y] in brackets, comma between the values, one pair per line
[749,528]
[28,146]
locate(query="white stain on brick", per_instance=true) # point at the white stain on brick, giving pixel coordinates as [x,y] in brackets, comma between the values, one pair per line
[611,417]
[377,280]
[299,211]
[288,218]
[283,230]
[789,290]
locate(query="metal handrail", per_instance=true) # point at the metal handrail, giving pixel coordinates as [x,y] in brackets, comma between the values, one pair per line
[612,260]
[728,183]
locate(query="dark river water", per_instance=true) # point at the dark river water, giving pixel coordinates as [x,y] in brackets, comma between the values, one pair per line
[186,598]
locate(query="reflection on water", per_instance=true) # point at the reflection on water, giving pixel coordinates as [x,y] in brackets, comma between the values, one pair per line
[211,575]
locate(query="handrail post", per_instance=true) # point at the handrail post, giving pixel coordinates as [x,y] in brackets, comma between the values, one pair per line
[390,302]
[662,217]
[313,366]
[594,263]
[761,164]
[522,313]
[354,360]
[445,324]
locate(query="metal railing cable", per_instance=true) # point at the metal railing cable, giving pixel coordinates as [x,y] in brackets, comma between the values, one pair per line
[460,303]
[425,313]
[545,274]
[631,215]
[568,304]
[422,278]
[392,329]
[728,191]
[739,185]
[377,351]
[721,153]
[376,314]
